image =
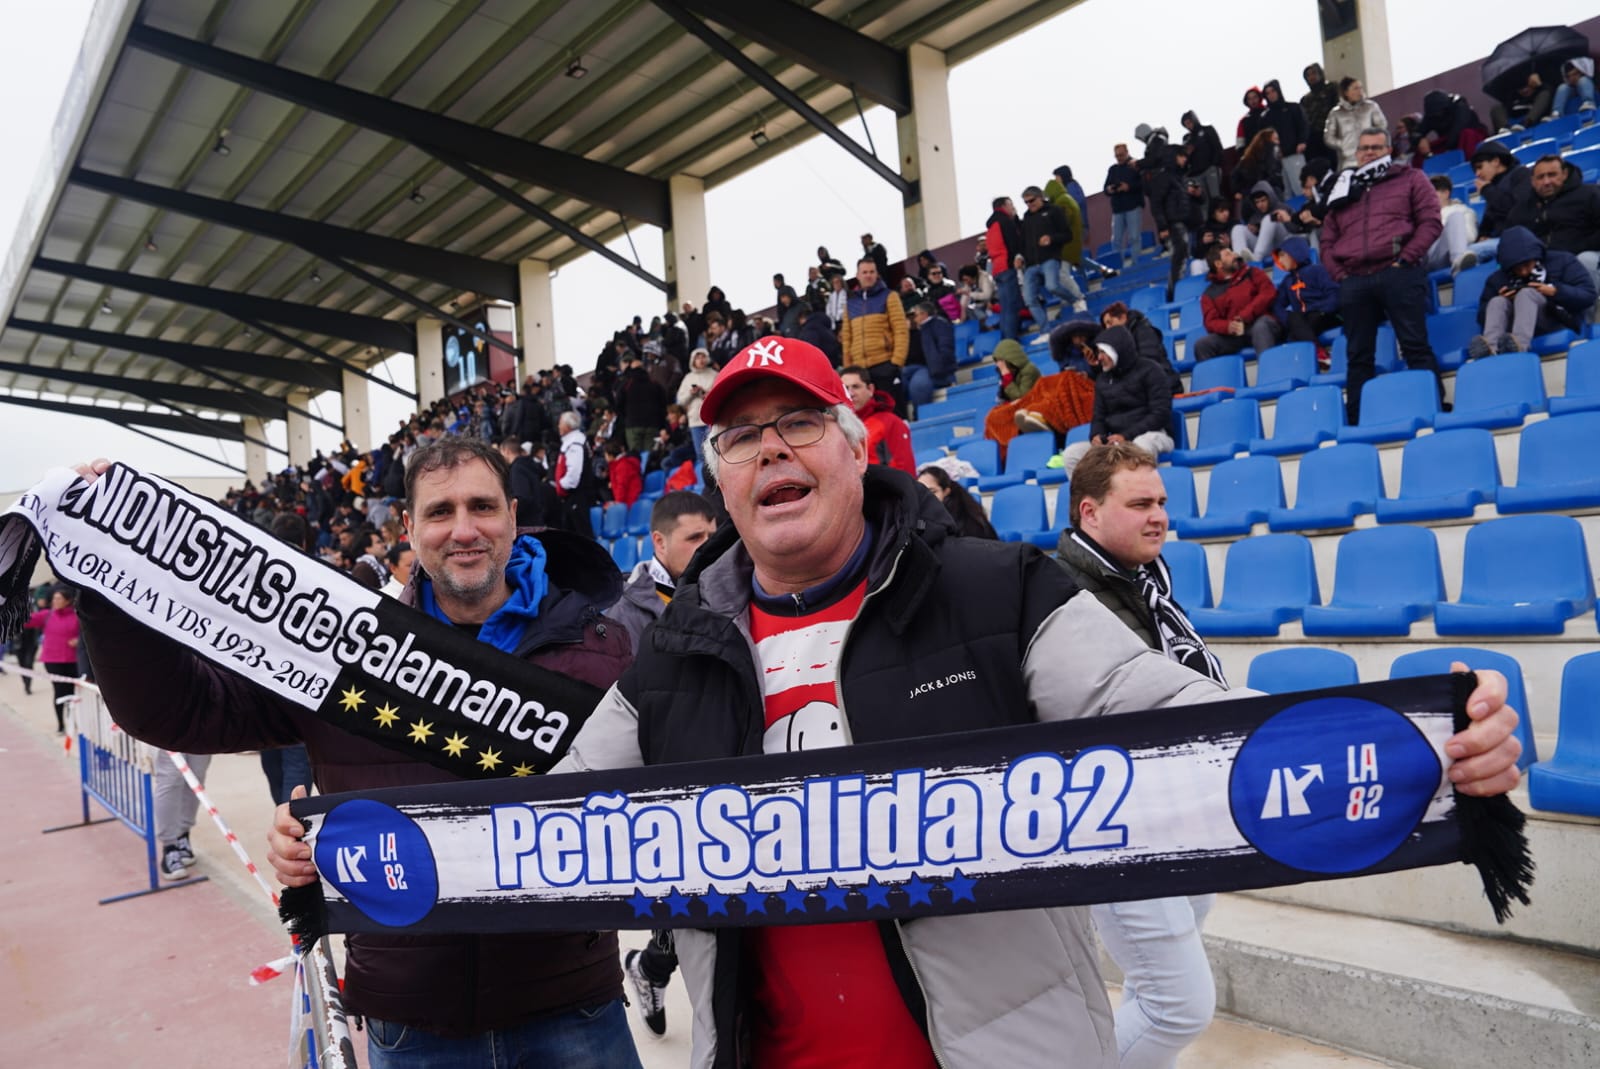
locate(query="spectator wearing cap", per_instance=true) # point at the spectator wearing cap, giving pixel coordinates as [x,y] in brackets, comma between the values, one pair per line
[1502,180]
[875,335]
[1045,232]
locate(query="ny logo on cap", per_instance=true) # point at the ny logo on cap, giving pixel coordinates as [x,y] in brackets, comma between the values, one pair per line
[770,352]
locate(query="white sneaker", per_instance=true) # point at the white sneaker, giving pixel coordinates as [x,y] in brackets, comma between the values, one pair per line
[1080,306]
[652,999]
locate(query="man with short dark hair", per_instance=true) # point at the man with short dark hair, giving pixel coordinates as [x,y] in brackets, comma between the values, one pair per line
[875,335]
[1003,238]
[1382,219]
[1502,180]
[527,477]
[1562,211]
[938,367]
[1044,233]
[888,437]
[872,250]
[1236,307]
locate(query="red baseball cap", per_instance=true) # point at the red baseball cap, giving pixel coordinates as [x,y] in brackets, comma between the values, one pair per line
[789,359]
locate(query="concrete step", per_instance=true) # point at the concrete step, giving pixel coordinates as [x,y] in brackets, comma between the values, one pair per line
[1402,993]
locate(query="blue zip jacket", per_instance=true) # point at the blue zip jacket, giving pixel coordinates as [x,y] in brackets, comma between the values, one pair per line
[1308,288]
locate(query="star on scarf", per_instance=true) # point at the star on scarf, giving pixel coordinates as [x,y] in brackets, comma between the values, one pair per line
[352,698]
[519,771]
[386,715]
[488,759]
[455,745]
[420,730]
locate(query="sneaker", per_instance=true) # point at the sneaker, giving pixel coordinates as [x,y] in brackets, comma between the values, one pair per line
[185,851]
[1479,347]
[1508,343]
[172,866]
[1324,360]
[1109,272]
[651,1000]
[1080,306]
[1028,421]
[1587,105]
[1517,128]
[1464,261]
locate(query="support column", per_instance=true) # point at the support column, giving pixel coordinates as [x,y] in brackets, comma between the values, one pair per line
[255,455]
[357,407]
[1355,43]
[537,331]
[926,155]
[299,434]
[686,248]
[429,361]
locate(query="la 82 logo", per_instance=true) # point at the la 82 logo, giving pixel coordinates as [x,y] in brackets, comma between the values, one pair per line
[1332,785]
[379,860]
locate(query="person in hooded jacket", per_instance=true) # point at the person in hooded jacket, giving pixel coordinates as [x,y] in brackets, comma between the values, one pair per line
[1576,92]
[1132,401]
[1250,124]
[888,437]
[1215,229]
[1264,223]
[1535,291]
[1287,117]
[1056,192]
[1307,304]
[1017,373]
[1205,154]
[1172,208]
[1562,211]
[1321,97]
[1147,339]
[1351,115]
[1502,180]
[1448,122]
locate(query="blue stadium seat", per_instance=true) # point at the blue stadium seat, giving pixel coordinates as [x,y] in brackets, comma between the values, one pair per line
[1521,575]
[1570,781]
[1557,341]
[655,483]
[928,456]
[1266,582]
[986,373]
[638,522]
[1436,660]
[1191,315]
[613,521]
[1583,381]
[1026,456]
[1283,368]
[1191,576]
[1534,149]
[1586,161]
[928,438]
[961,406]
[1145,300]
[625,551]
[1586,138]
[1226,428]
[1443,476]
[1241,493]
[1219,374]
[1385,357]
[1186,291]
[1441,163]
[1305,419]
[1562,129]
[1050,538]
[1018,510]
[1335,486]
[1385,578]
[984,344]
[983,454]
[1497,392]
[1299,668]
[1448,335]
[1468,285]
[1180,494]
[595,518]
[1394,407]
[1080,433]
[1555,466]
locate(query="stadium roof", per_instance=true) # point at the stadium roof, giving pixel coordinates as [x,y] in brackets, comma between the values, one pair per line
[251,199]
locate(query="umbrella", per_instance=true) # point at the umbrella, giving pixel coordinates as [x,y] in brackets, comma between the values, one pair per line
[1539,48]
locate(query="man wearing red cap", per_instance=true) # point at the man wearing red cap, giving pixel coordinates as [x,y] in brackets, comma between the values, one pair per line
[818,618]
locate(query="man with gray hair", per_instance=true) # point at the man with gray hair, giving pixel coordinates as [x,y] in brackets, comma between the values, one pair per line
[575,479]
[1382,218]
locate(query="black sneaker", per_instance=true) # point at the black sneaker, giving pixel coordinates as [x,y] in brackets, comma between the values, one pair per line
[650,1000]
[185,852]
[1508,343]
[1479,347]
[172,866]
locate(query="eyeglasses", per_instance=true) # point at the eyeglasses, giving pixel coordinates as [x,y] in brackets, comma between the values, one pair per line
[800,428]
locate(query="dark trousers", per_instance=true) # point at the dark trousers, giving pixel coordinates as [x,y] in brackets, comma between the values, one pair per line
[575,510]
[1178,247]
[1010,292]
[63,691]
[886,377]
[286,768]
[659,959]
[1307,326]
[1401,294]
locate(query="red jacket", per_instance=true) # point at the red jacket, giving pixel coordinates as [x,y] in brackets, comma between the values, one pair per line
[1395,219]
[627,482]
[888,437]
[1248,295]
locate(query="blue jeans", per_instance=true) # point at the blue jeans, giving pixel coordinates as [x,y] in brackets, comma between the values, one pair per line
[1565,92]
[592,1038]
[1402,294]
[1047,276]
[1005,284]
[1168,994]
[699,436]
[1125,232]
[918,383]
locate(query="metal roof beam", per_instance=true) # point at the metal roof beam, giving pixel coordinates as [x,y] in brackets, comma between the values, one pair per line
[196,357]
[319,239]
[154,390]
[368,330]
[215,428]
[788,97]
[873,69]
[448,139]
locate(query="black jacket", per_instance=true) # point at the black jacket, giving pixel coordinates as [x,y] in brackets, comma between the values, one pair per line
[1286,117]
[1170,204]
[1048,220]
[1501,195]
[1568,221]
[1134,197]
[1205,147]
[1132,398]
[1148,340]
[640,401]
[819,332]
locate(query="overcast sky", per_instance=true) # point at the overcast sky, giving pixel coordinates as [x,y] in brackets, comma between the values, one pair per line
[1064,92]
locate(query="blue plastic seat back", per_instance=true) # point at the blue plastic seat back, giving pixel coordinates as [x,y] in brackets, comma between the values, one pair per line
[1521,559]
[1191,315]
[625,552]
[1436,660]
[1557,451]
[1399,397]
[639,516]
[1570,781]
[1080,433]
[1583,379]
[1179,482]
[1441,163]
[1285,671]
[1468,286]
[1191,576]
[1189,288]
[1449,462]
[1269,572]
[1234,420]
[1452,330]
[1342,473]
[1534,149]
[596,518]
[1030,452]
[1017,510]
[1396,565]
[1244,484]
[655,482]
[1509,379]
[614,521]
[1225,371]
[1146,299]
[1310,413]
[1287,366]
[1588,137]
[983,454]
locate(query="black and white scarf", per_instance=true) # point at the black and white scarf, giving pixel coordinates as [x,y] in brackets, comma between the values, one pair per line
[1351,183]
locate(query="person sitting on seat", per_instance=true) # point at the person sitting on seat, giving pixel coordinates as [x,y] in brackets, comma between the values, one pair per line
[1308,298]
[1236,307]
[1534,292]
[1132,402]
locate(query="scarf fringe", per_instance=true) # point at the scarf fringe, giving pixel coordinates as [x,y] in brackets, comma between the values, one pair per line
[1493,836]
[16,608]
[304,911]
